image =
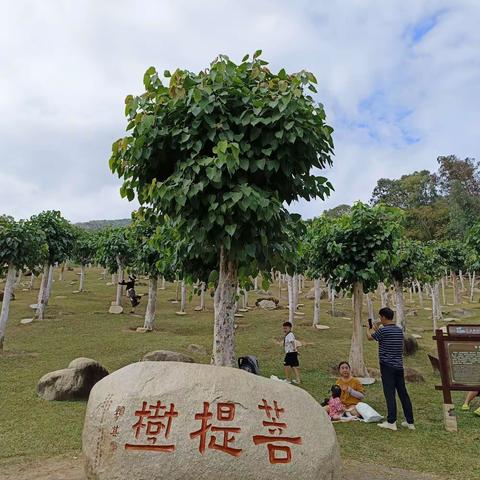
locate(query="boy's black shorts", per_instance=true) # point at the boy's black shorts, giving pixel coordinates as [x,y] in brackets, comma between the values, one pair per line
[291,359]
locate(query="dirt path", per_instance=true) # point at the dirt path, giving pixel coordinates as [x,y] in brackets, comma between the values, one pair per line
[71,468]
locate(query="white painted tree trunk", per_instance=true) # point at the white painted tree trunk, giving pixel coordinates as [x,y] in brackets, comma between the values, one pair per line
[462,283]
[62,269]
[202,296]
[316,305]
[295,292]
[114,278]
[291,307]
[299,290]
[151,304]
[436,307]
[41,294]
[469,280]
[104,274]
[245,298]
[183,296]
[118,296]
[279,286]
[444,298]
[19,279]
[32,281]
[332,300]
[371,312]
[400,305]
[177,289]
[329,293]
[356,349]
[456,292]
[420,293]
[49,285]
[224,305]
[383,295]
[410,293]
[255,283]
[163,284]
[82,277]
[472,286]
[7,295]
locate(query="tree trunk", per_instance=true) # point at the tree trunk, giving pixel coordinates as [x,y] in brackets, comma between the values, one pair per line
[316,306]
[436,307]
[291,308]
[183,298]
[49,285]
[245,298]
[224,305]
[163,284]
[114,278]
[151,304]
[356,350]
[62,269]
[255,283]
[456,293]
[400,305]
[118,297]
[104,273]
[202,296]
[371,312]
[383,295]
[19,279]
[299,290]
[41,293]
[472,286]
[7,295]
[177,290]
[443,291]
[420,293]
[332,299]
[295,292]
[460,274]
[82,277]
[32,281]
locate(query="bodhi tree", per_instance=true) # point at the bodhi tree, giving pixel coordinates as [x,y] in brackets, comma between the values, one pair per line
[153,247]
[455,256]
[114,253]
[405,266]
[22,245]
[59,236]
[354,252]
[83,252]
[221,152]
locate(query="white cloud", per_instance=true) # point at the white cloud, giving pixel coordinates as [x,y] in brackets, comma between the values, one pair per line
[396,104]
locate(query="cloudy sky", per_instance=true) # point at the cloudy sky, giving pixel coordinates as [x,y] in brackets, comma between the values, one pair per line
[400,81]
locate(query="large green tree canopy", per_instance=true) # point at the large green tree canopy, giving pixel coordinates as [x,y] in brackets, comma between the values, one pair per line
[222,150]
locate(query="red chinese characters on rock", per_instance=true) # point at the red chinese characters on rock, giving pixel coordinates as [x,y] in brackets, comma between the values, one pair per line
[153,422]
[277,453]
[225,413]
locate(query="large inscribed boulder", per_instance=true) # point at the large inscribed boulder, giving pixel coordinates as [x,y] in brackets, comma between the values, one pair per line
[181,421]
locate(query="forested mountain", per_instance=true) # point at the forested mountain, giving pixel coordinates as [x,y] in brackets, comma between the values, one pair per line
[101,224]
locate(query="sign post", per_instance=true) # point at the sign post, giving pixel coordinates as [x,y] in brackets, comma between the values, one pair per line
[459,357]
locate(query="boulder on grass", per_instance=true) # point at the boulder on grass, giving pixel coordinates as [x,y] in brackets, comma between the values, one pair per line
[72,383]
[410,345]
[181,421]
[413,376]
[167,356]
[269,303]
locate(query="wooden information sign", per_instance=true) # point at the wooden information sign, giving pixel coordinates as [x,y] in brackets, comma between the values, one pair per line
[459,357]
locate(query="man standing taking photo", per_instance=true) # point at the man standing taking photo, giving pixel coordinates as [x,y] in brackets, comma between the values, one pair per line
[390,351]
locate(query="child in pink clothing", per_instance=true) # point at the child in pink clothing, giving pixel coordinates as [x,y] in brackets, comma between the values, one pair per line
[334,406]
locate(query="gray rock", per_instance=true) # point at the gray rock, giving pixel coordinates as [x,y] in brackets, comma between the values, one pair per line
[410,345]
[72,383]
[167,356]
[267,304]
[197,349]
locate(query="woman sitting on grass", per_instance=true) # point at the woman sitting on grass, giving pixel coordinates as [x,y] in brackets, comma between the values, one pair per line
[352,389]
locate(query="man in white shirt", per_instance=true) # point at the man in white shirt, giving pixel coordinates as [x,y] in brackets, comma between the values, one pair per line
[291,354]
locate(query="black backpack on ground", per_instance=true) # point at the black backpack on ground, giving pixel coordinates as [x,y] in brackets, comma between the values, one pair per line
[250,364]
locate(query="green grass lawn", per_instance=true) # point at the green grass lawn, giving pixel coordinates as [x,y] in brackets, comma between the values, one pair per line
[78,326]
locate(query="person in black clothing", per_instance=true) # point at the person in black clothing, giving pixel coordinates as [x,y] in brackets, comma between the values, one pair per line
[132,295]
[390,351]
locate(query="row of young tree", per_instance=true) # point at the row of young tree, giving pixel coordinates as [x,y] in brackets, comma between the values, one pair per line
[367,247]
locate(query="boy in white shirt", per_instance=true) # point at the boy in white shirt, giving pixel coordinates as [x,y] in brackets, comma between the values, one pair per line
[291,354]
